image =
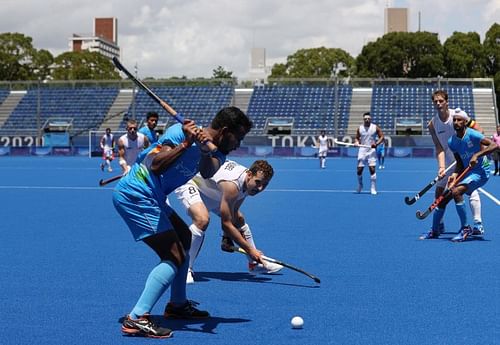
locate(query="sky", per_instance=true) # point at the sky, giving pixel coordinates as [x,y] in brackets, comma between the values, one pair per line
[191,38]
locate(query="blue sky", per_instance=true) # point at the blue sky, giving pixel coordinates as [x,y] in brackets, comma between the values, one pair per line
[192,37]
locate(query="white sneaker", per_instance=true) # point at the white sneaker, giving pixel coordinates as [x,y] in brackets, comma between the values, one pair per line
[269,267]
[190,277]
[110,169]
[373,190]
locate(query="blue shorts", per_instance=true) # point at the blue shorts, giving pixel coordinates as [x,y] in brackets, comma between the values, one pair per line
[473,181]
[144,215]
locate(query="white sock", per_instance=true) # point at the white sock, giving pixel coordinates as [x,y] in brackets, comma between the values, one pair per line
[197,237]
[247,235]
[373,179]
[475,206]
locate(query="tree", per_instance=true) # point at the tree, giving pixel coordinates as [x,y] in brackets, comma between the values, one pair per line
[221,73]
[83,65]
[314,63]
[401,54]
[16,56]
[464,56]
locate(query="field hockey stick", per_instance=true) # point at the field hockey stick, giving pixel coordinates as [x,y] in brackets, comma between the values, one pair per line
[411,201]
[155,97]
[150,92]
[284,264]
[447,191]
[338,142]
[109,180]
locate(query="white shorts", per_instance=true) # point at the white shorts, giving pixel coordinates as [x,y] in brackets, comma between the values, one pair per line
[323,152]
[189,195]
[367,157]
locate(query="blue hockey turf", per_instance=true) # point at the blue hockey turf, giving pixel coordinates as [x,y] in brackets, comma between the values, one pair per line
[70,269]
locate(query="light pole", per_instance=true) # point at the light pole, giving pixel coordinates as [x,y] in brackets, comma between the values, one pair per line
[339,66]
[134,92]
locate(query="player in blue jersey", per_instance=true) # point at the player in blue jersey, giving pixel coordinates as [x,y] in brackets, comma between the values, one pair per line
[139,197]
[149,128]
[466,146]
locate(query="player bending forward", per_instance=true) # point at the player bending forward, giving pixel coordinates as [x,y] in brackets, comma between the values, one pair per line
[223,194]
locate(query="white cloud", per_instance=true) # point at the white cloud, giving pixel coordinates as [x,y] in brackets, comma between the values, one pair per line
[193,37]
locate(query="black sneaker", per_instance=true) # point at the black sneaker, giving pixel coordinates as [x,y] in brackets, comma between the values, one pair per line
[227,244]
[186,311]
[144,327]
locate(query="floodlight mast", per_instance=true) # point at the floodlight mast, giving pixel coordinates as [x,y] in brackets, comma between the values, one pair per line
[338,67]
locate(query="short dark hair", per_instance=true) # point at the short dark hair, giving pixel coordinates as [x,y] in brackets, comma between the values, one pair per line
[152,114]
[367,113]
[232,118]
[264,166]
[441,93]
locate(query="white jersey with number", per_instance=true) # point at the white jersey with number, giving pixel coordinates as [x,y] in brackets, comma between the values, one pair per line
[323,145]
[444,131]
[367,137]
[132,147]
[207,191]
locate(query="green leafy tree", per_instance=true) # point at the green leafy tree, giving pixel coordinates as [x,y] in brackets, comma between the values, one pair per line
[16,56]
[42,64]
[401,55]
[464,56]
[221,73]
[314,63]
[83,65]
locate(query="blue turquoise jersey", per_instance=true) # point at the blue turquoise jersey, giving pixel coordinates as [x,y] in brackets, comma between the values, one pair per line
[466,147]
[140,196]
[151,134]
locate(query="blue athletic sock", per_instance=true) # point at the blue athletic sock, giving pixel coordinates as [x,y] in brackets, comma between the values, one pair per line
[178,291]
[436,218]
[158,281]
[462,213]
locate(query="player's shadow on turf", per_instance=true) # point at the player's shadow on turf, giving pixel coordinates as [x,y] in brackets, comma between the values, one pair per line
[205,325]
[452,234]
[231,276]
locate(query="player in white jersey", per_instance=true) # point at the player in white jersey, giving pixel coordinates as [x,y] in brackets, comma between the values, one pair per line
[441,129]
[130,145]
[368,134]
[322,149]
[223,195]
[107,146]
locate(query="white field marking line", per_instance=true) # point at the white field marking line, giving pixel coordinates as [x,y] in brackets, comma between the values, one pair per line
[52,187]
[495,200]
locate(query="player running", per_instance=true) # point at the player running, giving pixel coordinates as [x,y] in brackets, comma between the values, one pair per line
[107,144]
[223,194]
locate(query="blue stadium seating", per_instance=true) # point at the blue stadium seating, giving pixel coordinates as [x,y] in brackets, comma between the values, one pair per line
[199,103]
[311,107]
[87,106]
[391,101]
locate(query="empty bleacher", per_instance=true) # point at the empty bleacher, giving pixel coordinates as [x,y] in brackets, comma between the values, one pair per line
[86,106]
[311,107]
